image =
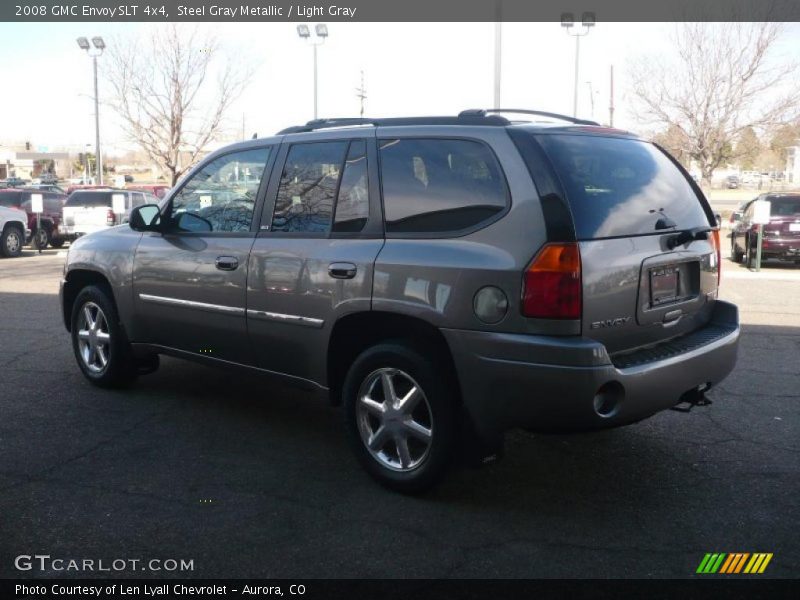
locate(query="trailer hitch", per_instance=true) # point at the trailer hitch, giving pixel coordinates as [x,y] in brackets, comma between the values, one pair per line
[692,398]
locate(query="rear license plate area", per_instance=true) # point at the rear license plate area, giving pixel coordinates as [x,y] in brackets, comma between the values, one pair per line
[664,285]
[794,227]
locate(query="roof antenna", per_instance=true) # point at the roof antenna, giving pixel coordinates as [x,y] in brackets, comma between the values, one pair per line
[255,135]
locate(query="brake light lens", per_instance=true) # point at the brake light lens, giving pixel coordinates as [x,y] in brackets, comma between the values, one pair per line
[715,243]
[552,284]
[110,217]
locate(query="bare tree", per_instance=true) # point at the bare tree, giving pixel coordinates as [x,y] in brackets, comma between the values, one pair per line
[723,80]
[164,97]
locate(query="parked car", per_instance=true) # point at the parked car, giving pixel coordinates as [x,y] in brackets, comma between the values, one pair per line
[45,178]
[780,237]
[159,191]
[732,182]
[87,211]
[13,182]
[13,231]
[51,231]
[444,278]
[46,187]
[88,186]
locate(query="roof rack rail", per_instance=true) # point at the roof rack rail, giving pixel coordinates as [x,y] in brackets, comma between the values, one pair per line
[461,119]
[483,112]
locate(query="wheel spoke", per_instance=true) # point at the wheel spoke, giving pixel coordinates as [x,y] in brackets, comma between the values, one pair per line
[377,440]
[83,334]
[389,394]
[409,402]
[103,337]
[403,452]
[87,315]
[419,431]
[92,358]
[376,408]
[101,354]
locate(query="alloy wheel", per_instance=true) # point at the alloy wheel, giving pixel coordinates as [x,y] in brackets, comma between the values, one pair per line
[13,242]
[394,419]
[94,339]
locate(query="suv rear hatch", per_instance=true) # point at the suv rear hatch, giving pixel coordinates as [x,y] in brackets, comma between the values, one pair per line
[649,257]
[784,220]
[86,212]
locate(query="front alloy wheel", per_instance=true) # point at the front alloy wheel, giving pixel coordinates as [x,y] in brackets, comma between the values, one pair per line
[94,338]
[394,419]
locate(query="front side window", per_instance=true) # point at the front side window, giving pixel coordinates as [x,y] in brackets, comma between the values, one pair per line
[439,185]
[308,186]
[221,196]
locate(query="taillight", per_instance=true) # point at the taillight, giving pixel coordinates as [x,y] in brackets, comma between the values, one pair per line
[715,243]
[110,217]
[552,285]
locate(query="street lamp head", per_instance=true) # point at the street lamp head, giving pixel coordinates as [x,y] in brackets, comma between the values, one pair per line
[567,20]
[588,19]
[83,43]
[322,30]
[98,43]
[303,31]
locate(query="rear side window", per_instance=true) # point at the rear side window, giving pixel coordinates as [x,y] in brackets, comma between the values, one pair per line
[439,185]
[89,199]
[10,199]
[621,187]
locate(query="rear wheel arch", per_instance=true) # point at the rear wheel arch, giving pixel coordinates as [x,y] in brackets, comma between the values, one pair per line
[354,333]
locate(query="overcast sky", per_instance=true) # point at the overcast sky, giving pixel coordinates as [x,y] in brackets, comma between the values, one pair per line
[409,69]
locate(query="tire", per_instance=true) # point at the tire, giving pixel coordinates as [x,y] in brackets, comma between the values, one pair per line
[11,241]
[102,351]
[736,254]
[413,446]
[40,239]
[58,243]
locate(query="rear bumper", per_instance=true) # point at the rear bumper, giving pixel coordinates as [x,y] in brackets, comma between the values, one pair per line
[550,383]
[781,248]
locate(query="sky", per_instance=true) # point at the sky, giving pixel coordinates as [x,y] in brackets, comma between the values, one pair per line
[409,69]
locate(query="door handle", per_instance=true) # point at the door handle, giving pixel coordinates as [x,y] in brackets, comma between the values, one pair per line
[227,263]
[342,270]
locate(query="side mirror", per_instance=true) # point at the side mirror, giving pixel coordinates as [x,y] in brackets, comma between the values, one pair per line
[145,218]
[718,218]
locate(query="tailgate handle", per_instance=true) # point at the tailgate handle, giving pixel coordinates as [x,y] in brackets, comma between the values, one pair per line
[672,316]
[690,235]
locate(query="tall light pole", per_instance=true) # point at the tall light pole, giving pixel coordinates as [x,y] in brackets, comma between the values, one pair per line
[321,32]
[567,22]
[99,46]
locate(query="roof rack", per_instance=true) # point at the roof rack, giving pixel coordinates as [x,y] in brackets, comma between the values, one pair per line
[473,116]
[482,112]
[461,119]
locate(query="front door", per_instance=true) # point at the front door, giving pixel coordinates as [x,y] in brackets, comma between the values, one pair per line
[190,281]
[312,263]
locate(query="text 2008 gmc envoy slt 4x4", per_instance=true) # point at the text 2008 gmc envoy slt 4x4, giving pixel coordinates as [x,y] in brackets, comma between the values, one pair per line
[444,278]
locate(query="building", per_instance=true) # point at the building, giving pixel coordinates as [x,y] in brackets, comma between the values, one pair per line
[27,164]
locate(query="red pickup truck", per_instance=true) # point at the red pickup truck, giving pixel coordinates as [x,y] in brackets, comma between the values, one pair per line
[51,227]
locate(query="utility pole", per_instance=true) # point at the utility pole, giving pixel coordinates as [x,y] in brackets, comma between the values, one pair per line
[611,100]
[567,22]
[498,50]
[361,94]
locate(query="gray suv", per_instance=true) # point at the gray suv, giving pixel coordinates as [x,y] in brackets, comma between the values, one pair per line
[443,278]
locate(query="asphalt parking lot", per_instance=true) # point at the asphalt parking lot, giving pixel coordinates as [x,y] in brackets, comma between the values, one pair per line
[248,479]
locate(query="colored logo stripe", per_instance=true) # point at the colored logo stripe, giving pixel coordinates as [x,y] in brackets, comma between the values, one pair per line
[734,563]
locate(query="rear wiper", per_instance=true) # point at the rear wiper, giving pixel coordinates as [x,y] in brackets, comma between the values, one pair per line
[690,235]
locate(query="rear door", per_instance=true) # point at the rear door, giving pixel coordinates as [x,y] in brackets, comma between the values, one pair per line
[189,282]
[312,261]
[629,203]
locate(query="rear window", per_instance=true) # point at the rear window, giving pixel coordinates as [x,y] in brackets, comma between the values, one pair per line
[10,199]
[621,187]
[784,207]
[89,199]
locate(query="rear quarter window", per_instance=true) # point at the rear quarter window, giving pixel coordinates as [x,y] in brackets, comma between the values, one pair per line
[619,187]
[439,185]
[784,206]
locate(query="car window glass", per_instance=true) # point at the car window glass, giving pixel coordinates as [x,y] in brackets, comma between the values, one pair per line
[439,185]
[223,192]
[308,187]
[352,203]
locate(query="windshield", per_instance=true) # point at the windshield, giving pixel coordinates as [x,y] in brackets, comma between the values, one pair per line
[619,187]
[784,206]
